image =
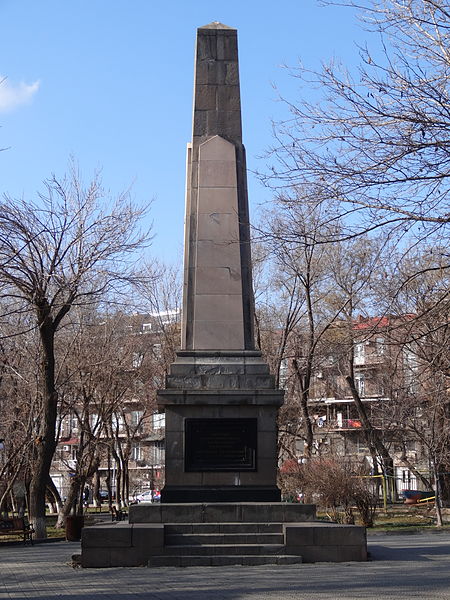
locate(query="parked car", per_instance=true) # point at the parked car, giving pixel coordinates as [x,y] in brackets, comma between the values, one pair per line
[104,495]
[148,496]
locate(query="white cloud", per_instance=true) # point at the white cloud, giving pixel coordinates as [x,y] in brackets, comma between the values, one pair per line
[13,95]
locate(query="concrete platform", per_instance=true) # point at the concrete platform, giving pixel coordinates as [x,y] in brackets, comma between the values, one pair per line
[221,534]
[227,512]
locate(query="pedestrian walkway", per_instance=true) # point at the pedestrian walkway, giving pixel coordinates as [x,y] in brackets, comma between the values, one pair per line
[402,567]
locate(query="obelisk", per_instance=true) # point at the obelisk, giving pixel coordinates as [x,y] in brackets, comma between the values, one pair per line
[220,504]
[218,298]
[220,400]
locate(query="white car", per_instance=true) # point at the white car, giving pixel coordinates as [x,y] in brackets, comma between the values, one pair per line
[148,496]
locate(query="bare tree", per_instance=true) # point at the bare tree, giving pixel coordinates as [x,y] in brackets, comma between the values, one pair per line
[72,247]
[375,140]
[422,403]
[320,285]
[19,408]
[299,283]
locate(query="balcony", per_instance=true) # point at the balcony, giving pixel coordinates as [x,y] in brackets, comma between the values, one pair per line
[337,424]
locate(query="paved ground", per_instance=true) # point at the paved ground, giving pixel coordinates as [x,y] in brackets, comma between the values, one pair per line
[402,567]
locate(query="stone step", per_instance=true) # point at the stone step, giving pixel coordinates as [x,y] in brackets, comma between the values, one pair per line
[216,512]
[214,549]
[223,538]
[178,528]
[223,560]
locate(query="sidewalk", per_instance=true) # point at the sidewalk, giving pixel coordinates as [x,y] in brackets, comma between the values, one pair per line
[402,567]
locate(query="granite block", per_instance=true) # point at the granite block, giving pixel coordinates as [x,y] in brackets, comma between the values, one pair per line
[145,513]
[339,535]
[227,47]
[218,150]
[215,173]
[221,200]
[216,253]
[332,553]
[148,535]
[182,513]
[231,73]
[228,97]
[295,513]
[128,557]
[106,536]
[96,558]
[298,536]
[209,334]
[205,97]
[218,280]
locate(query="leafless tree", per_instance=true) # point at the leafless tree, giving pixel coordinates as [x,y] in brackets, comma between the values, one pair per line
[422,404]
[374,141]
[19,409]
[320,286]
[70,248]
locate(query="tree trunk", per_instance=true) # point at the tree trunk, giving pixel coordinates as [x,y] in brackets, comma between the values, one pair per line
[45,442]
[108,480]
[118,484]
[10,484]
[425,482]
[70,505]
[96,489]
[373,438]
[125,482]
[304,393]
[56,496]
[437,495]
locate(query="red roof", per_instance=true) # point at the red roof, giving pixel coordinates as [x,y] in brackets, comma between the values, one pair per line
[69,442]
[372,322]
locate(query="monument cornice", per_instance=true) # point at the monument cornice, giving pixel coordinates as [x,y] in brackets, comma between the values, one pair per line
[221,397]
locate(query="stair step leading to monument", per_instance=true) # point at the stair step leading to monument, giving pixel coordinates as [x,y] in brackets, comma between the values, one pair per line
[223,538]
[223,560]
[179,528]
[224,549]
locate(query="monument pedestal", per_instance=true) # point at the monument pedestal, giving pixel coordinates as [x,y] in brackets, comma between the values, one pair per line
[219,534]
[221,434]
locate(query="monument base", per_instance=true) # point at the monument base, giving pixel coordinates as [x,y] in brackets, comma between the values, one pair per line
[180,494]
[221,428]
[219,534]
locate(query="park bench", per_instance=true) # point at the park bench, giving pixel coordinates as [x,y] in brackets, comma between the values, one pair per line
[18,527]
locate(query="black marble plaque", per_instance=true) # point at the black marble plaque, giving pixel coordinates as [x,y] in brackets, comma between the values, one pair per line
[220,444]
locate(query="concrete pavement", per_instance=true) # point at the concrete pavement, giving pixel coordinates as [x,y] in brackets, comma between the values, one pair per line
[402,566]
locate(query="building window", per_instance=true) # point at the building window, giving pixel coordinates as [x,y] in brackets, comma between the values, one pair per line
[360,384]
[136,417]
[118,422]
[283,372]
[137,453]
[137,360]
[359,354]
[380,346]
[361,446]
[158,453]
[159,420]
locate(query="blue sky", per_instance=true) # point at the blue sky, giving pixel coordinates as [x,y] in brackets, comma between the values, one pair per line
[110,82]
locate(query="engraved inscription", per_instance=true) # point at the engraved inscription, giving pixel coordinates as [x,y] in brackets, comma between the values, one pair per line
[220,444]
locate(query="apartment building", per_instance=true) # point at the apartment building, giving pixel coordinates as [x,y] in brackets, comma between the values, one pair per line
[121,434]
[383,371]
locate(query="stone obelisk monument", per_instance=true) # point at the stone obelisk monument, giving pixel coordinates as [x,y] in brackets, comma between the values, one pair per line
[220,400]
[220,505]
